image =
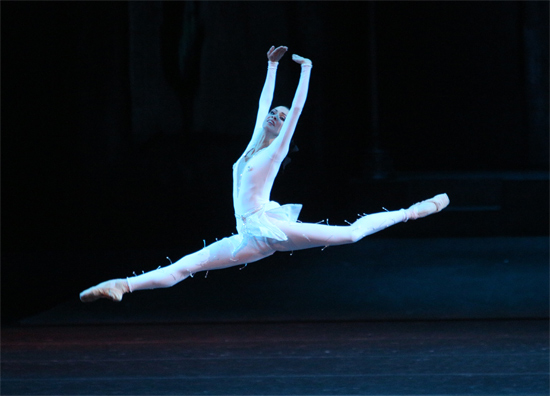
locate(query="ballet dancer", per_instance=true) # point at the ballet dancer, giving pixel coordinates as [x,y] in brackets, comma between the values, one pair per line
[264,226]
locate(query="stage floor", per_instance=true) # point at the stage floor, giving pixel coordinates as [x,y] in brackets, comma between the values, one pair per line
[311,358]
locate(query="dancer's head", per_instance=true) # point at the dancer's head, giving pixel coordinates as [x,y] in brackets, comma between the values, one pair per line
[274,121]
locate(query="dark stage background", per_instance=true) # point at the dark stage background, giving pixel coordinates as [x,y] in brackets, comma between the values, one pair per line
[121,121]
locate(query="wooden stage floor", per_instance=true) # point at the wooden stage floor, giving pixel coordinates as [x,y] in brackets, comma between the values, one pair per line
[311,358]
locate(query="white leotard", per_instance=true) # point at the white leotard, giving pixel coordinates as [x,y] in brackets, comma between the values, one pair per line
[253,179]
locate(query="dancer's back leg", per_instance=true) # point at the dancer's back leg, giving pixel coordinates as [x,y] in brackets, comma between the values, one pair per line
[224,253]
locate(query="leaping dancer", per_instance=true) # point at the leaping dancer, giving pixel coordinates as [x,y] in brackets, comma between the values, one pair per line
[265,227]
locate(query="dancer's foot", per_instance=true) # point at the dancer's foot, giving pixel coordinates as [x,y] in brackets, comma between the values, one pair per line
[112,290]
[428,207]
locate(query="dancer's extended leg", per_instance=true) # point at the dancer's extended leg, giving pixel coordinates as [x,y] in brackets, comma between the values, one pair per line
[307,235]
[218,255]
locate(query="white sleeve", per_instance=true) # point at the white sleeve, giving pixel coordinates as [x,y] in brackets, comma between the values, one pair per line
[281,144]
[264,104]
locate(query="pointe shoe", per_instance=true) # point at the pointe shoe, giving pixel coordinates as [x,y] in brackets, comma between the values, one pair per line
[428,207]
[112,290]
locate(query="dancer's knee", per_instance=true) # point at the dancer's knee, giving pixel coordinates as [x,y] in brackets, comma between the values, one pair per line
[356,233]
[163,278]
[345,235]
[355,236]
[183,268]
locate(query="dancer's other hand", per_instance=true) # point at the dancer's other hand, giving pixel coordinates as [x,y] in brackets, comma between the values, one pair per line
[301,60]
[275,54]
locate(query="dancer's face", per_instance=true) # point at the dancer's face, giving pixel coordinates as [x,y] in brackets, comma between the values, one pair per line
[275,119]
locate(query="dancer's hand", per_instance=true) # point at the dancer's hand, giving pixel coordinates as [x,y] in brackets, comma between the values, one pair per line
[301,60]
[275,54]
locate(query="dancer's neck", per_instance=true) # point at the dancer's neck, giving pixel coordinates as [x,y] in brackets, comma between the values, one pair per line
[263,142]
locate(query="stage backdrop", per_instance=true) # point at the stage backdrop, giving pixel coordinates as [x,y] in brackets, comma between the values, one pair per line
[121,121]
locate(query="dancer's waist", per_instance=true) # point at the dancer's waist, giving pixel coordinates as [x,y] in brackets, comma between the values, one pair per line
[246,208]
[249,213]
[255,222]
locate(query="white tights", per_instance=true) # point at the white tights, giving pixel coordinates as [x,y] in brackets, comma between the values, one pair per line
[218,255]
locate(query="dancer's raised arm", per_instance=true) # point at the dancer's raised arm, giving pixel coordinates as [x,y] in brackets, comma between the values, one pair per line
[274,55]
[281,144]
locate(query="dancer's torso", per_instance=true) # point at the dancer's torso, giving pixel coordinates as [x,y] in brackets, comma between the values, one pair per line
[253,180]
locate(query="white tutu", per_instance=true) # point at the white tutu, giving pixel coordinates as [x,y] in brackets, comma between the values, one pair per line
[256,222]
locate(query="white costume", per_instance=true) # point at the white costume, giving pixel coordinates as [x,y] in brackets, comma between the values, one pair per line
[263,226]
